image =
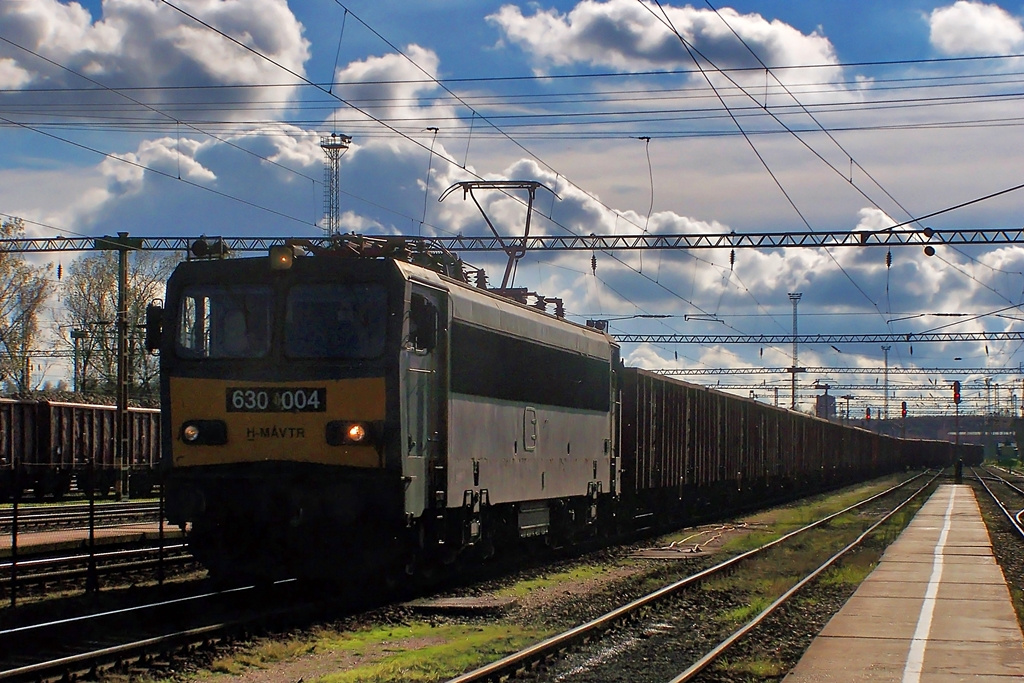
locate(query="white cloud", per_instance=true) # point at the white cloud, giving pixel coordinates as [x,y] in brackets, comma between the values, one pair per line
[148,44]
[11,75]
[289,145]
[969,28]
[389,86]
[171,157]
[626,35]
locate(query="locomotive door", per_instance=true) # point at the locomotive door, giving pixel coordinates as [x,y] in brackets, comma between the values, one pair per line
[422,368]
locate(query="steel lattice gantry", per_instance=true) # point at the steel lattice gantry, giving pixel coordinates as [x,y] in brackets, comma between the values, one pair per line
[821,339]
[897,389]
[769,339]
[749,240]
[823,370]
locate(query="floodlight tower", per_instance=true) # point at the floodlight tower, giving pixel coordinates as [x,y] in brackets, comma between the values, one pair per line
[795,298]
[333,145]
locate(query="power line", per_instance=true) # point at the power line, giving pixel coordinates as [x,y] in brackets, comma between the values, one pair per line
[855,386]
[572,77]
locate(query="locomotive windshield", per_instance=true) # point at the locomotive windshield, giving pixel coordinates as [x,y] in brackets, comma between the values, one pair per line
[321,320]
[224,322]
[336,321]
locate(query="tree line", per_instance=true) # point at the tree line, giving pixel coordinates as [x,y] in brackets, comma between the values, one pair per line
[84,322]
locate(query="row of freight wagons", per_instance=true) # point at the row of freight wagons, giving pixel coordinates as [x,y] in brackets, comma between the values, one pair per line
[49,447]
[685,442]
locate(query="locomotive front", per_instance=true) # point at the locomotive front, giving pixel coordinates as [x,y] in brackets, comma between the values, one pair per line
[275,381]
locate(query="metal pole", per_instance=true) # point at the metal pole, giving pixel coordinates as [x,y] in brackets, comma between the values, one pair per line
[14,532]
[160,551]
[92,584]
[885,400]
[956,450]
[76,337]
[986,435]
[795,298]
[121,428]
[122,244]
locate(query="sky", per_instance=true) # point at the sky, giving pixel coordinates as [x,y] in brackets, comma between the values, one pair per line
[188,117]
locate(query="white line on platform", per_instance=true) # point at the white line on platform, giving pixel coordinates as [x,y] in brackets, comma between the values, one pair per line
[915,659]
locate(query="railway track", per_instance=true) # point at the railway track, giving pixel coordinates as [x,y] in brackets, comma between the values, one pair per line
[591,651]
[125,638]
[78,571]
[77,515]
[579,656]
[1006,489]
[54,554]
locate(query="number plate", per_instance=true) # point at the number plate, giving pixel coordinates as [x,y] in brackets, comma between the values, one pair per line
[276,400]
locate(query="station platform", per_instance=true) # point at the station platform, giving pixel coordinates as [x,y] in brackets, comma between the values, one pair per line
[936,609]
[70,540]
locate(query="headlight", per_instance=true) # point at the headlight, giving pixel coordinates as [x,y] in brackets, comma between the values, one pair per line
[356,433]
[281,256]
[351,433]
[204,432]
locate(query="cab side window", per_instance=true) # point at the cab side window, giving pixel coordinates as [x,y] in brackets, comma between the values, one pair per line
[422,323]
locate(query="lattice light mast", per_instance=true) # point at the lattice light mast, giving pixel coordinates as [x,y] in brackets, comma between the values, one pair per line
[795,298]
[333,145]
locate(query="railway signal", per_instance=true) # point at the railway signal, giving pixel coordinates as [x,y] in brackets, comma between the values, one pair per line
[956,392]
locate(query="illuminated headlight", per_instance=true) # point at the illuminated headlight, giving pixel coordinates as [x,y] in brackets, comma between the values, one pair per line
[345,433]
[281,257]
[356,433]
[204,432]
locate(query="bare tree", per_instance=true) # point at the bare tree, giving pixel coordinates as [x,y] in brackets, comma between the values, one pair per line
[24,288]
[90,310]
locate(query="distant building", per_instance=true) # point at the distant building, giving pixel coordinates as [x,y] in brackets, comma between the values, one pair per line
[825,406]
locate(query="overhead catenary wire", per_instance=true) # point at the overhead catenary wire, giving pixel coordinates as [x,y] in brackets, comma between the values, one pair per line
[806,111]
[693,54]
[515,142]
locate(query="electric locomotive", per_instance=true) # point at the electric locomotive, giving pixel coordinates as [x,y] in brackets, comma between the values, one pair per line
[332,413]
[328,414]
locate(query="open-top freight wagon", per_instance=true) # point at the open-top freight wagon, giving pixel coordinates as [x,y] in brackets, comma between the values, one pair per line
[49,447]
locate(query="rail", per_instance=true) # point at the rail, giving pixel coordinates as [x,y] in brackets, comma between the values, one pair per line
[1013,518]
[546,649]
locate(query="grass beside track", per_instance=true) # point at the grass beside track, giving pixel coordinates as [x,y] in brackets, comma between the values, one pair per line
[416,652]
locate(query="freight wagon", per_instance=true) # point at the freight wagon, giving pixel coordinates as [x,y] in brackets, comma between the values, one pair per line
[695,450]
[49,447]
